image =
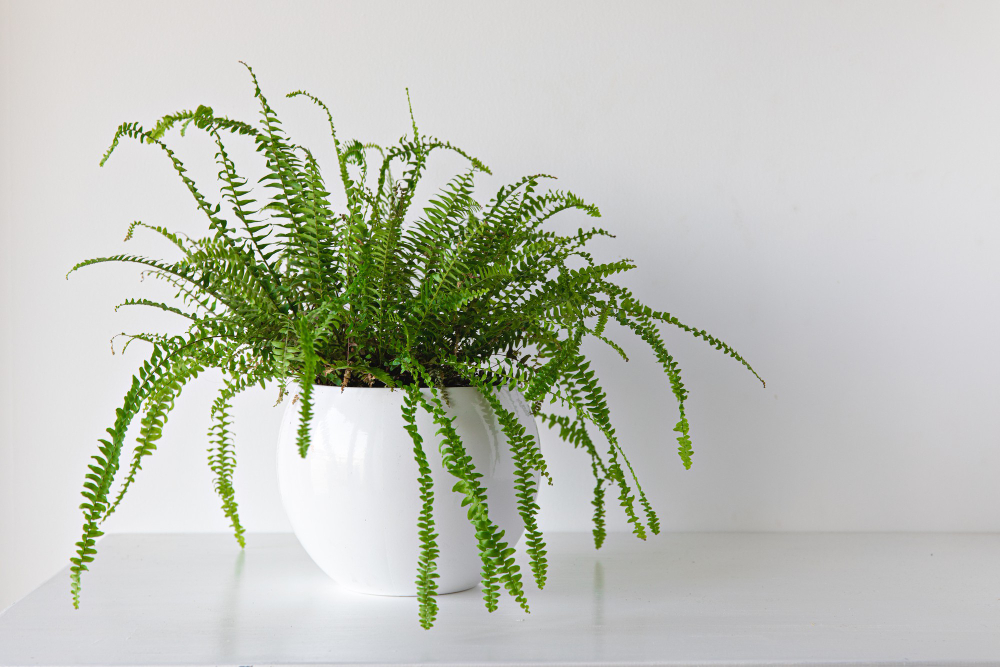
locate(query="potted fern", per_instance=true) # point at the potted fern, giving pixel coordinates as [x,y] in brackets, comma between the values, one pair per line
[418,348]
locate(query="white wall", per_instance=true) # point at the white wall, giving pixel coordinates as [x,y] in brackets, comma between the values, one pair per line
[817,183]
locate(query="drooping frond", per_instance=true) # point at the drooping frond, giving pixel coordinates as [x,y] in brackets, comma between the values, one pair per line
[427,564]
[222,454]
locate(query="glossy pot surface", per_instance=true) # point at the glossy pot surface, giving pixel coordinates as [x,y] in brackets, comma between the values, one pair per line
[354,500]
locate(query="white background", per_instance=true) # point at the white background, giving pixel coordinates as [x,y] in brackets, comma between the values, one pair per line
[817,183]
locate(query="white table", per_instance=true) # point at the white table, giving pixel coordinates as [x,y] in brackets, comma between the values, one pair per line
[687,598]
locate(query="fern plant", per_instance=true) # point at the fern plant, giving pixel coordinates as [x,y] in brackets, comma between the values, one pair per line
[285,289]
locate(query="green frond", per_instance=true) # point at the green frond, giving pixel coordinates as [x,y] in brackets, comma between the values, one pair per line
[222,454]
[427,563]
[497,557]
[306,382]
[521,445]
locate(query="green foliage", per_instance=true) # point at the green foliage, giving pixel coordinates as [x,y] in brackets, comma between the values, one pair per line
[283,288]
[427,566]
[222,457]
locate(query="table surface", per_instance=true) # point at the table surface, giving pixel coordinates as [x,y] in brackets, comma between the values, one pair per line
[681,598]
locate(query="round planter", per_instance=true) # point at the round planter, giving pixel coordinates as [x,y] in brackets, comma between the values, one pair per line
[354,500]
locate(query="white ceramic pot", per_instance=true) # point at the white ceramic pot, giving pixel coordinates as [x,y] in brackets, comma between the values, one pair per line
[354,500]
